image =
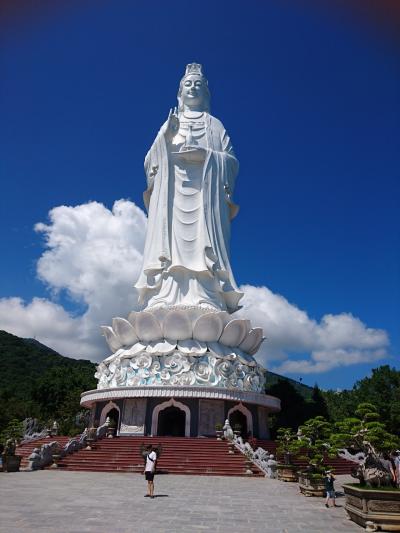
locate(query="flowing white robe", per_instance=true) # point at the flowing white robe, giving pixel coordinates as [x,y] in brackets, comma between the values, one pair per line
[186,256]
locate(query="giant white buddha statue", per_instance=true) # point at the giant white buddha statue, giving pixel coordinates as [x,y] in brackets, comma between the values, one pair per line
[191,170]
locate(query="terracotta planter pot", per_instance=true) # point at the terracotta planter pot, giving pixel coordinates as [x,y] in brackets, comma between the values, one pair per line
[89,443]
[310,486]
[11,463]
[219,434]
[287,473]
[373,508]
[56,459]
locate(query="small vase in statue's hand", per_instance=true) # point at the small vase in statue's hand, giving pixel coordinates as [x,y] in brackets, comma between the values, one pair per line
[192,154]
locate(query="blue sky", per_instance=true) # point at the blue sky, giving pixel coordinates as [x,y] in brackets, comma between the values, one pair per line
[309,96]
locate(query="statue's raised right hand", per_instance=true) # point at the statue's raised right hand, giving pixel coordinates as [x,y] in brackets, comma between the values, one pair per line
[171,126]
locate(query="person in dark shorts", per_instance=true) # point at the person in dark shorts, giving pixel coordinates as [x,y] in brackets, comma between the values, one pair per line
[149,471]
[330,489]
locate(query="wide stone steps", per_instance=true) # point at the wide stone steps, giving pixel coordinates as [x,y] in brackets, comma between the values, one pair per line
[179,455]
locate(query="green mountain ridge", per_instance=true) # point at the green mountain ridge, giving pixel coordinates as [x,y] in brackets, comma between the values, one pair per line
[36,381]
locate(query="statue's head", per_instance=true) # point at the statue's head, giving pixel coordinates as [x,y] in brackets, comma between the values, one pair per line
[193,89]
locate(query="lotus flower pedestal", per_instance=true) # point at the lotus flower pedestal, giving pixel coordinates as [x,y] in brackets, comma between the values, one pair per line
[190,360]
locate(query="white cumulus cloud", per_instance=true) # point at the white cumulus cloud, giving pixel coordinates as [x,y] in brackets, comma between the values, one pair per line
[94,254]
[336,340]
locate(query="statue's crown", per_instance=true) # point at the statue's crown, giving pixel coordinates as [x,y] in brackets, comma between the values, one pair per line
[194,68]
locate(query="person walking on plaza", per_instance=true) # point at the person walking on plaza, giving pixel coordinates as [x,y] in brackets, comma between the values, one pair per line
[330,489]
[149,471]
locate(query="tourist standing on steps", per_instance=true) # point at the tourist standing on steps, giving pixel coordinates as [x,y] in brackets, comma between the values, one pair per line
[149,471]
[330,489]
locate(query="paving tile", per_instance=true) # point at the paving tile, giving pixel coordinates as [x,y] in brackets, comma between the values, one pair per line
[95,502]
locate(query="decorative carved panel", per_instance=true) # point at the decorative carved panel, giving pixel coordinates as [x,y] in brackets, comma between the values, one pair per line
[211,412]
[384,506]
[355,502]
[133,416]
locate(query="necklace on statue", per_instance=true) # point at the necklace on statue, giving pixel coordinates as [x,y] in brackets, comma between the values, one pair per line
[193,114]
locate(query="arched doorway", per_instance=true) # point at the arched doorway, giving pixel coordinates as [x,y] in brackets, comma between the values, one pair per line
[112,410]
[239,414]
[171,422]
[113,415]
[238,420]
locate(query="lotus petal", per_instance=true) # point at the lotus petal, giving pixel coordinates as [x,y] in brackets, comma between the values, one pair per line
[112,340]
[256,346]
[208,328]
[225,317]
[234,333]
[124,330]
[192,347]
[111,358]
[147,327]
[177,325]
[193,313]
[163,347]
[245,358]
[159,313]
[252,341]
[219,350]
[132,317]
[134,350]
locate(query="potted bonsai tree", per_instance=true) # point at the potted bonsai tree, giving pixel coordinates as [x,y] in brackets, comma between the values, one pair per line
[314,437]
[373,502]
[11,462]
[11,436]
[218,431]
[288,445]
[237,430]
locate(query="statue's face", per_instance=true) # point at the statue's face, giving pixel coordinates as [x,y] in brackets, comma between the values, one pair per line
[194,91]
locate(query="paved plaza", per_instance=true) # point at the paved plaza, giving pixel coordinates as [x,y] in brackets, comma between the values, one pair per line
[77,502]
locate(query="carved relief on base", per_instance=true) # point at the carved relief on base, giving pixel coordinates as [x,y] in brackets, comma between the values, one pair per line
[181,368]
[211,412]
[133,416]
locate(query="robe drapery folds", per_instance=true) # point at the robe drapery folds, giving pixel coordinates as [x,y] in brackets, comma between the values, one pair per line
[218,179]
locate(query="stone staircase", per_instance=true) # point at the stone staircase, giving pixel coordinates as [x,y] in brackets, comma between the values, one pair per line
[180,455]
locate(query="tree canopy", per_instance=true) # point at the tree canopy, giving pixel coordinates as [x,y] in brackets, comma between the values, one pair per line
[382,389]
[37,382]
[295,408]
